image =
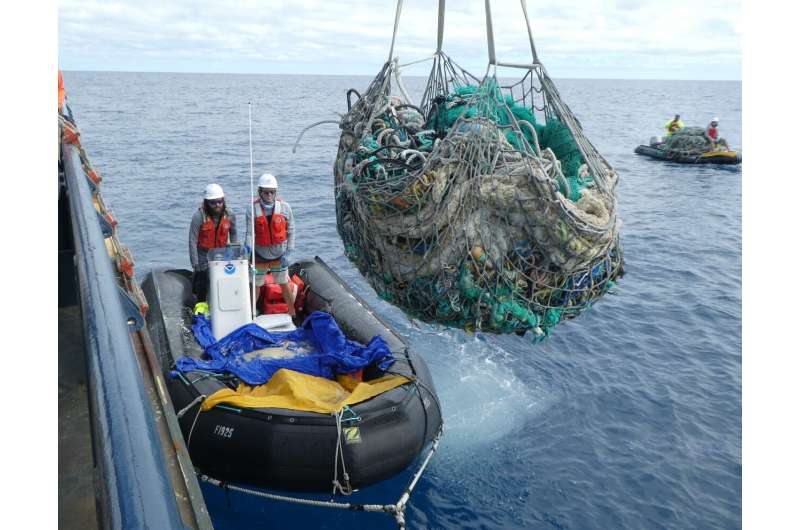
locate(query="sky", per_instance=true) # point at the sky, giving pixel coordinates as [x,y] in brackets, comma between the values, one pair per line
[609,39]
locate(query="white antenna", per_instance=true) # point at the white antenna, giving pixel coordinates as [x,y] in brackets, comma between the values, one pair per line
[252,227]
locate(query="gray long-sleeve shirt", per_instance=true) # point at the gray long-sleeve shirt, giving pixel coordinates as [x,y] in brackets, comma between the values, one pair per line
[199,256]
[271,252]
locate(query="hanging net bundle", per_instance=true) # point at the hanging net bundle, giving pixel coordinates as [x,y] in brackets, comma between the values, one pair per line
[482,206]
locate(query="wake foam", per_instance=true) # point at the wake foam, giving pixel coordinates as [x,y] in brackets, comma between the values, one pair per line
[483,400]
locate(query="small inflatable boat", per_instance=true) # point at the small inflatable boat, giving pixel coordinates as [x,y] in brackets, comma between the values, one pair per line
[711,157]
[292,449]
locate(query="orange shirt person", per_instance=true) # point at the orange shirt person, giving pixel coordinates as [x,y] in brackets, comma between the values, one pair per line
[61,92]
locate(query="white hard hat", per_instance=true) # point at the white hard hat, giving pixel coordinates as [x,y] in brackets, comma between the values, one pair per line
[715,118]
[268,180]
[214,191]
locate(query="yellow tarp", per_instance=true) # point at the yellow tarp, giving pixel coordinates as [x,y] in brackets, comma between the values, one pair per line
[292,390]
[729,154]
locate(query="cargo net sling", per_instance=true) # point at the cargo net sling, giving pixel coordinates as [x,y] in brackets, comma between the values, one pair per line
[479,208]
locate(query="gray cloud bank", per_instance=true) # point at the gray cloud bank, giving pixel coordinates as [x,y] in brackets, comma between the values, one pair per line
[588,38]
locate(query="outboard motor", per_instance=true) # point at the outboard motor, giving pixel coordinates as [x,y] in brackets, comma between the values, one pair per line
[228,290]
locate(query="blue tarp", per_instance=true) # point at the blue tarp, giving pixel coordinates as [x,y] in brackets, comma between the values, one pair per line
[318,347]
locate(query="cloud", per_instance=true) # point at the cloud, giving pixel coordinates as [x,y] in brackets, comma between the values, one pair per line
[275,36]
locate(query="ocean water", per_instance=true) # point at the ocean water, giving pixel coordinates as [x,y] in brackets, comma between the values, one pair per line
[626,417]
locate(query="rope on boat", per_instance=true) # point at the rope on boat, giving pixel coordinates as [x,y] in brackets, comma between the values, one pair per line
[121,256]
[184,410]
[194,422]
[347,489]
[397,509]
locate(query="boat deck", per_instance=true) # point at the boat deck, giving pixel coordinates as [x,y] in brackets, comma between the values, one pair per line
[76,504]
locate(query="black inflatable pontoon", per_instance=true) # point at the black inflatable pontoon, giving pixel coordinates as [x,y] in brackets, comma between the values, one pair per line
[288,449]
[721,157]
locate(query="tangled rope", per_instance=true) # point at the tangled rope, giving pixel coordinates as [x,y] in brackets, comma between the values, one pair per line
[484,207]
[687,141]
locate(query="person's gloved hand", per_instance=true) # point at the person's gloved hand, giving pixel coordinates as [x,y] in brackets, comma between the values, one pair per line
[247,249]
[285,260]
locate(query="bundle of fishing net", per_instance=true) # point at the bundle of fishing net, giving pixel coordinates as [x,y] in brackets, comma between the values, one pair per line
[483,207]
[689,140]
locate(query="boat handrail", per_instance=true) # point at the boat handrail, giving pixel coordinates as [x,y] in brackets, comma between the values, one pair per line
[133,481]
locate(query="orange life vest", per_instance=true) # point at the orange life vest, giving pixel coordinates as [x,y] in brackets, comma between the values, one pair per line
[271,296]
[209,237]
[270,232]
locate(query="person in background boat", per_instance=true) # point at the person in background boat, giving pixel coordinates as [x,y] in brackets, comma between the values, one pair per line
[273,240]
[712,135]
[213,226]
[674,125]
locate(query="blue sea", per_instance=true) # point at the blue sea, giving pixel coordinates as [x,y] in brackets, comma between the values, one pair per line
[626,417]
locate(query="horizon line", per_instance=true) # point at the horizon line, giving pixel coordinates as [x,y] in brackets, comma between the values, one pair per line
[372,75]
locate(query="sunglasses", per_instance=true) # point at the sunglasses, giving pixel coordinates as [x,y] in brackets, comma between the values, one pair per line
[267,192]
[215,202]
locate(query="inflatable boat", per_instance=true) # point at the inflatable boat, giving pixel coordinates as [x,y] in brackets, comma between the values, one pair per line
[288,449]
[711,157]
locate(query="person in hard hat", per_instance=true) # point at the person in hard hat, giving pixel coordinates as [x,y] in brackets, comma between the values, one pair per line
[712,135]
[213,226]
[674,125]
[273,237]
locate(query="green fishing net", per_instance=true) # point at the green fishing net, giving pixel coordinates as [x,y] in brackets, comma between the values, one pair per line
[482,207]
